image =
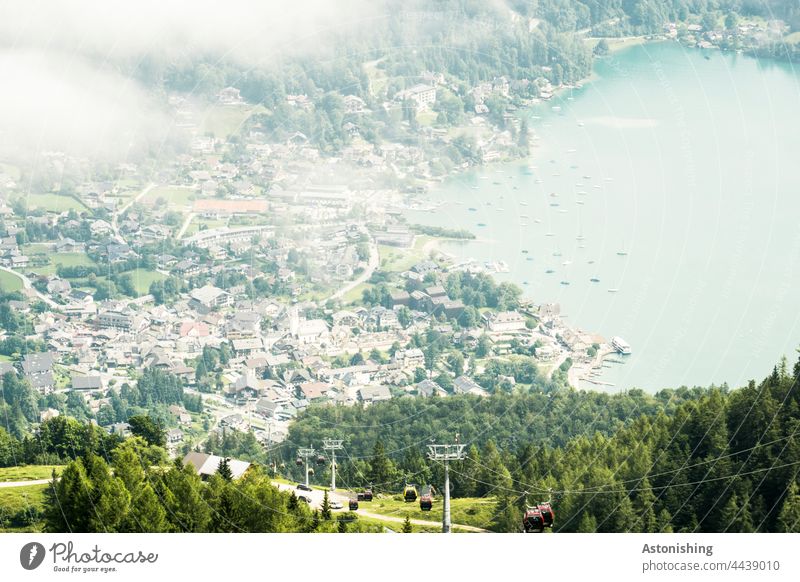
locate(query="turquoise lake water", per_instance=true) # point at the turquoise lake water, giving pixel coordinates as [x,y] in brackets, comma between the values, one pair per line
[688,171]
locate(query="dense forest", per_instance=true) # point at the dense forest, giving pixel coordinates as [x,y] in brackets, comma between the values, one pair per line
[707,460]
[127,493]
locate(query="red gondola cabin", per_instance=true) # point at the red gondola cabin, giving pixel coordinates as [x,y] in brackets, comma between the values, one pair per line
[547,514]
[533,521]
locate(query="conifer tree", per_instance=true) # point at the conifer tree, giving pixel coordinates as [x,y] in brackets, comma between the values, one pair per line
[407,525]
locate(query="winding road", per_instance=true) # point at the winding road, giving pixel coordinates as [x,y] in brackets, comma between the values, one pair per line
[374,261]
[124,209]
[29,289]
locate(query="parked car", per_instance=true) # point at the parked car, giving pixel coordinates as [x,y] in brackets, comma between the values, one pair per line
[336,505]
[303,487]
[304,498]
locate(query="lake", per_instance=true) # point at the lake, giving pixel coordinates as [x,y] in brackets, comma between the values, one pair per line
[673,177]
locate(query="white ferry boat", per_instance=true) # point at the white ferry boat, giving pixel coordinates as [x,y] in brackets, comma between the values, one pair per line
[621,345]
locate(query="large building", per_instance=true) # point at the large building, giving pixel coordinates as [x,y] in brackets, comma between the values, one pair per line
[422,95]
[210,297]
[223,236]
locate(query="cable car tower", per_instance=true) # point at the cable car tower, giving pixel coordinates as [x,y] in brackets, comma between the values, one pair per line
[332,445]
[445,454]
[305,453]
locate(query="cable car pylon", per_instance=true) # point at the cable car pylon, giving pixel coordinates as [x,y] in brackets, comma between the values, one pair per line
[445,454]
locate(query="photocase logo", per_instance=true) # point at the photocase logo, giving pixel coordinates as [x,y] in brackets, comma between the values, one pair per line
[31,555]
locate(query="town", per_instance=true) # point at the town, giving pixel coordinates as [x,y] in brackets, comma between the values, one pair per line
[262,280]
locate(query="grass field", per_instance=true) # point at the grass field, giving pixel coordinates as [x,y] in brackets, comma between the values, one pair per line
[21,507]
[63,259]
[9,282]
[225,120]
[174,195]
[356,293]
[474,511]
[27,472]
[142,279]
[53,202]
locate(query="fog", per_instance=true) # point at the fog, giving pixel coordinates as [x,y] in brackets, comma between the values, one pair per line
[64,64]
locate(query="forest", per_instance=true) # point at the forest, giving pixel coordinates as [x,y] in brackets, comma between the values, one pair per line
[686,460]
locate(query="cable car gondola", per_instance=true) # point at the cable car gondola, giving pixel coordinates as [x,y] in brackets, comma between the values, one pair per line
[299,462]
[353,505]
[410,492]
[533,521]
[367,494]
[426,498]
[310,471]
[320,460]
[547,513]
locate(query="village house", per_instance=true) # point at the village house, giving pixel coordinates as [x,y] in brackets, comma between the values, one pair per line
[504,321]
[207,465]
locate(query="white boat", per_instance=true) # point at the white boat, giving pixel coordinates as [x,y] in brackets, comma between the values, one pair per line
[621,345]
[523,203]
[613,290]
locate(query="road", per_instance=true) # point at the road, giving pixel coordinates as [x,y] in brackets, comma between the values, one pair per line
[421,522]
[124,209]
[24,483]
[185,225]
[373,263]
[28,286]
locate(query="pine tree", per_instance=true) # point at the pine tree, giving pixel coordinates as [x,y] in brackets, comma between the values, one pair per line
[224,470]
[507,515]
[181,492]
[789,516]
[382,470]
[407,525]
[587,524]
[109,500]
[146,514]
[664,522]
[326,507]
[342,527]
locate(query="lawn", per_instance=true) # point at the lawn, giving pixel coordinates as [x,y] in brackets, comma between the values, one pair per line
[196,223]
[63,259]
[142,279]
[21,507]
[9,282]
[27,472]
[355,294]
[225,120]
[53,202]
[174,195]
[474,511]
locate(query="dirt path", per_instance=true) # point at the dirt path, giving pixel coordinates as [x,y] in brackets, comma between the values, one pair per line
[422,522]
[24,483]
